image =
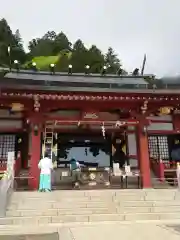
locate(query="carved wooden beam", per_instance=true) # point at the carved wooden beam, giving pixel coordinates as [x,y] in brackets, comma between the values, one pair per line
[36,103]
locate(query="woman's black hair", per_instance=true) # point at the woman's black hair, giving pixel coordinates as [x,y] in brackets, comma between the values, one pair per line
[46,155]
[73,160]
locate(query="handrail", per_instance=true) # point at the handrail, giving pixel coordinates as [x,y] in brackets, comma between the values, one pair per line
[6,188]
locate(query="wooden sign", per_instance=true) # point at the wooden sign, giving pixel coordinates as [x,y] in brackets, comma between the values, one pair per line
[165,110]
[17,107]
[90,115]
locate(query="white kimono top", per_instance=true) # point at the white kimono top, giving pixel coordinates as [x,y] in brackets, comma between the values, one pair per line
[45,164]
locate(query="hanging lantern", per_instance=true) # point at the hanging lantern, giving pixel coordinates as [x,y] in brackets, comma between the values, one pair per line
[103,131]
[144,107]
[36,130]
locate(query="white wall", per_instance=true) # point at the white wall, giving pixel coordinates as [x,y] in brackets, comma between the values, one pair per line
[11,124]
[6,114]
[133,162]
[132,144]
[161,118]
[161,126]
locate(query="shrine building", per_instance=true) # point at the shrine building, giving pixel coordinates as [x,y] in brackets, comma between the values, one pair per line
[80,115]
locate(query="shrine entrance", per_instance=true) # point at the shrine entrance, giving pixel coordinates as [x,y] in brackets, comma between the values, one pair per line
[92,145]
[91,150]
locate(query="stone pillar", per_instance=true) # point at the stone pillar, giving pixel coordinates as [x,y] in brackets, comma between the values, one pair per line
[35,154]
[143,157]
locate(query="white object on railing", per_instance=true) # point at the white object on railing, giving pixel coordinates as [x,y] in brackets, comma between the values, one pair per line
[116,170]
[178,174]
[128,170]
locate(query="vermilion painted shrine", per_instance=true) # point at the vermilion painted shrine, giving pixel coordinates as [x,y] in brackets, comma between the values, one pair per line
[82,116]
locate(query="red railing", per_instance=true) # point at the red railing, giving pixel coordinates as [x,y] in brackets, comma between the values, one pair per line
[3,164]
[17,165]
[158,168]
[164,170]
[170,164]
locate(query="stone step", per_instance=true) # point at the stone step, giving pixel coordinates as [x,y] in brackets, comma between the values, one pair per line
[119,200]
[113,203]
[81,211]
[95,210]
[34,208]
[58,205]
[82,193]
[38,220]
[81,196]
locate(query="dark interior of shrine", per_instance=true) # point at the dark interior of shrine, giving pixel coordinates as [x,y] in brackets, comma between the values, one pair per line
[91,150]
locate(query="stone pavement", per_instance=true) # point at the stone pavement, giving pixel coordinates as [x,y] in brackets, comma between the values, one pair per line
[100,231]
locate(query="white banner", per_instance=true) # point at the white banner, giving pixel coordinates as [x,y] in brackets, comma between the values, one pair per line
[178,174]
[10,164]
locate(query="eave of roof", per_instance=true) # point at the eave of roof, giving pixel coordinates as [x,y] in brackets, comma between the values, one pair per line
[50,89]
[64,77]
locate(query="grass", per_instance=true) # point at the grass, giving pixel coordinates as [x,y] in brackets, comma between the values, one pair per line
[43,62]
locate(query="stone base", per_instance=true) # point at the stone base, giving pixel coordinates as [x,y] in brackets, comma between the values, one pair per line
[48,236]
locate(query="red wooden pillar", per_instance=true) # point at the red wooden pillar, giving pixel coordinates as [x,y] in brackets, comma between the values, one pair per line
[176,122]
[35,152]
[143,155]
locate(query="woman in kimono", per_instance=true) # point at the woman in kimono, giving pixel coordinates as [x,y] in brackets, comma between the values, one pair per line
[45,165]
[118,152]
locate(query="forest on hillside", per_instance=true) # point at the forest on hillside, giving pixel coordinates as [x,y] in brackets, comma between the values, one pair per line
[54,48]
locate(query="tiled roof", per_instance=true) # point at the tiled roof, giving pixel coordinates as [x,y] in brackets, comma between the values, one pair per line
[64,77]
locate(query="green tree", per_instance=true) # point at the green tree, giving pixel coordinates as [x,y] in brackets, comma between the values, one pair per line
[56,44]
[79,58]
[95,59]
[18,50]
[49,45]
[33,43]
[7,38]
[41,47]
[62,64]
[112,61]
[79,46]
[50,35]
[61,42]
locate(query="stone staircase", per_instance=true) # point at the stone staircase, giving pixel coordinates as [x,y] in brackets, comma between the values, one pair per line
[58,207]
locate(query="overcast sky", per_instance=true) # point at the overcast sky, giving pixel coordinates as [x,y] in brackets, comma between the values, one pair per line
[131,27]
